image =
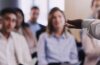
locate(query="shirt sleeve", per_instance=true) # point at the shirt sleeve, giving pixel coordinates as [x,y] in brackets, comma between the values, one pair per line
[26,54]
[41,50]
[93,27]
[74,52]
[87,22]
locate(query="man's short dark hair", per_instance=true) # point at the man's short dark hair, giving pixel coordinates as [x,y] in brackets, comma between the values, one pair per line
[7,11]
[35,7]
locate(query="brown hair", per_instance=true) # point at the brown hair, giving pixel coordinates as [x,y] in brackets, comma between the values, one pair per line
[50,28]
[35,7]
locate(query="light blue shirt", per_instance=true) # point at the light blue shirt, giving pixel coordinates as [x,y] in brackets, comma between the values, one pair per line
[52,49]
[34,27]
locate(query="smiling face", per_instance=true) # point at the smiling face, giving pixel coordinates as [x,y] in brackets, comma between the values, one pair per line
[9,22]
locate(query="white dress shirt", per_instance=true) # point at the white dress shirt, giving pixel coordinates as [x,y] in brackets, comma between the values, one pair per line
[14,50]
[30,38]
[7,51]
[52,49]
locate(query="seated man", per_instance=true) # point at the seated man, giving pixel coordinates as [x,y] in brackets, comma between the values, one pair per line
[35,27]
[13,47]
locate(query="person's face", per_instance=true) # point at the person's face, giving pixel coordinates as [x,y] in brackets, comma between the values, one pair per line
[9,22]
[96,5]
[19,19]
[34,14]
[58,20]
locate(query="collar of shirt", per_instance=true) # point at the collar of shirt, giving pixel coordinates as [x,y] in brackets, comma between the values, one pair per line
[3,37]
[8,49]
[20,31]
[30,23]
[63,36]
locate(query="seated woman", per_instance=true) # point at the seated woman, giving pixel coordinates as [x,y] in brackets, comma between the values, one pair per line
[57,46]
[23,28]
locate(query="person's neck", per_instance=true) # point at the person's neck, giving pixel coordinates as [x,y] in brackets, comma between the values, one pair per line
[6,34]
[58,33]
[33,21]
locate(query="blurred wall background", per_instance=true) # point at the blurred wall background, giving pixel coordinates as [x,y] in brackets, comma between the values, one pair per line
[8,3]
[75,9]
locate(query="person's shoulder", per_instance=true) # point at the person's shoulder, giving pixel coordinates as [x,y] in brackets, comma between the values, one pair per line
[42,26]
[44,35]
[69,35]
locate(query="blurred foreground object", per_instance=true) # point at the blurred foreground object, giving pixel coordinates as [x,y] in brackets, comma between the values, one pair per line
[93,26]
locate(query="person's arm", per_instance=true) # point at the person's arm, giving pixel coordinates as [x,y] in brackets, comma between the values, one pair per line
[41,51]
[87,22]
[94,29]
[74,23]
[26,54]
[93,26]
[79,23]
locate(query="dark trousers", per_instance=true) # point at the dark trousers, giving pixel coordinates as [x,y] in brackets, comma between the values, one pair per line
[65,63]
[34,55]
[98,63]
